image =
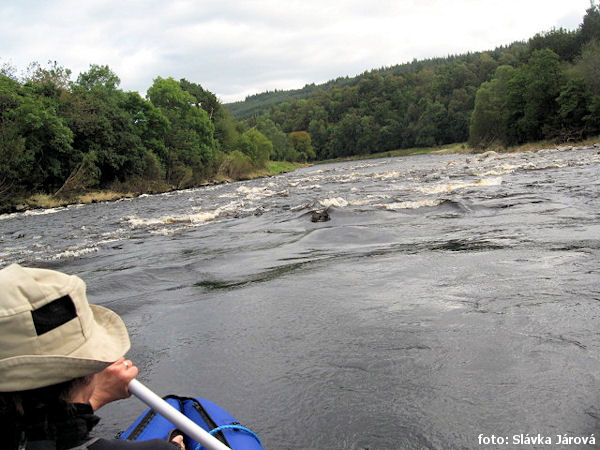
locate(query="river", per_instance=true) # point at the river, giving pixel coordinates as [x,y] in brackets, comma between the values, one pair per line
[449,296]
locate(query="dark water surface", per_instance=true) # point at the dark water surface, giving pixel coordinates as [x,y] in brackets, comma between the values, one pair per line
[449,296]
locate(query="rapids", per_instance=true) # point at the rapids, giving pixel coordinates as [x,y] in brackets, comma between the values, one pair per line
[449,296]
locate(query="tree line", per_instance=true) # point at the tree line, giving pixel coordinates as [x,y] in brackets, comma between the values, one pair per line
[62,137]
[545,88]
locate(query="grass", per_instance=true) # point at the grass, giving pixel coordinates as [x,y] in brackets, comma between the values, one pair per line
[277,167]
[532,146]
[51,201]
[452,148]
[463,147]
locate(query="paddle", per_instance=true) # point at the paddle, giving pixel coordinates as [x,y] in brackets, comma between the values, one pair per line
[175,417]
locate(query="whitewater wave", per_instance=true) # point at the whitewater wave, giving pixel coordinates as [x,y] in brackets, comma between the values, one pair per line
[369,200]
[167,231]
[9,216]
[74,252]
[43,212]
[413,204]
[255,193]
[387,175]
[349,178]
[32,212]
[192,219]
[441,188]
[502,170]
[338,202]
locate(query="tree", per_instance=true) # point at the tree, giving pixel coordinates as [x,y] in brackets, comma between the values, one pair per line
[97,113]
[204,99]
[590,27]
[573,108]
[227,129]
[98,77]
[317,128]
[281,143]
[566,44]
[592,120]
[588,66]
[301,142]
[16,163]
[344,136]
[531,98]
[488,122]
[189,139]
[429,128]
[257,146]
[149,123]
[544,78]
[8,70]
[167,94]
[47,82]
[485,67]
[35,143]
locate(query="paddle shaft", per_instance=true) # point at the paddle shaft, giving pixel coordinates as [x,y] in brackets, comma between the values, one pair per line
[175,417]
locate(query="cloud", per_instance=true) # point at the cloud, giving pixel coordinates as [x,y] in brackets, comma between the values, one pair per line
[235,48]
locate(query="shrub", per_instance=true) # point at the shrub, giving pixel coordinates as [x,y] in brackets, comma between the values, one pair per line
[236,165]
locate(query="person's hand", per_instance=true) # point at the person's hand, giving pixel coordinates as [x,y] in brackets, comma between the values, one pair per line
[179,441]
[112,383]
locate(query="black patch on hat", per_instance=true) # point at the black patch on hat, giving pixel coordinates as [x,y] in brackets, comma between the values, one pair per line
[53,315]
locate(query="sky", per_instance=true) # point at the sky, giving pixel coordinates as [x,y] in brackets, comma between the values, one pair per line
[236,48]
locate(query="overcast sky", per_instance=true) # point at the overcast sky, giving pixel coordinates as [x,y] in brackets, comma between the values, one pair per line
[235,48]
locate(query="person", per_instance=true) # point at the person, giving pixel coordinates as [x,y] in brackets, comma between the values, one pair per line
[61,359]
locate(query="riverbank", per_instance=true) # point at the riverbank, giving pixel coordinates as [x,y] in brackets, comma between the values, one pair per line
[464,148]
[123,190]
[120,191]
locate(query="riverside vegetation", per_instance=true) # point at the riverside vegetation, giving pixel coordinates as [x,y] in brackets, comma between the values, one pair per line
[61,139]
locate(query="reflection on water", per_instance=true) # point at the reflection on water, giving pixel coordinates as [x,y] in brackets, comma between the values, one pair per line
[448,296]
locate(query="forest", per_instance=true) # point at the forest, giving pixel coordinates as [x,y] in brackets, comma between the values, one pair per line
[62,136]
[545,88]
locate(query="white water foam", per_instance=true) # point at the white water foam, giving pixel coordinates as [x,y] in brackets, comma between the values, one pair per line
[441,188]
[32,212]
[387,175]
[43,212]
[167,231]
[192,219]
[350,178]
[502,170]
[412,204]
[338,202]
[255,193]
[74,252]
[229,195]
[9,216]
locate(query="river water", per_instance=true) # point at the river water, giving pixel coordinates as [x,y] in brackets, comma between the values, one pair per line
[449,296]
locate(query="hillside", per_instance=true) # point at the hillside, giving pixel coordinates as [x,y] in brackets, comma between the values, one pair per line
[545,88]
[257,104]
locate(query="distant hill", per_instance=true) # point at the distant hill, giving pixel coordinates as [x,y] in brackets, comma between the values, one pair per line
[257,104]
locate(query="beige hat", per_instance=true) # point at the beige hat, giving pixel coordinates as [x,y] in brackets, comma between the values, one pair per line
[49,333]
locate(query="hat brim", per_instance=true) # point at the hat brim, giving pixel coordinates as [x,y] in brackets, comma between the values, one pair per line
[108,342]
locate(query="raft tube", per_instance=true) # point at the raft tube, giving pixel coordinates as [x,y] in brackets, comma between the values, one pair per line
[211,417]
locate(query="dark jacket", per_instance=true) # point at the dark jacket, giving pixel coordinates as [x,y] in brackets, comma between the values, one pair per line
[70,429]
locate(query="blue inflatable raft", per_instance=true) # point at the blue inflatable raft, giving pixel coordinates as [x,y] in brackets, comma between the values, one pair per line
[211,417]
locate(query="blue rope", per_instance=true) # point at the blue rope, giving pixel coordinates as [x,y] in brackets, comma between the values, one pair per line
[231,427]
